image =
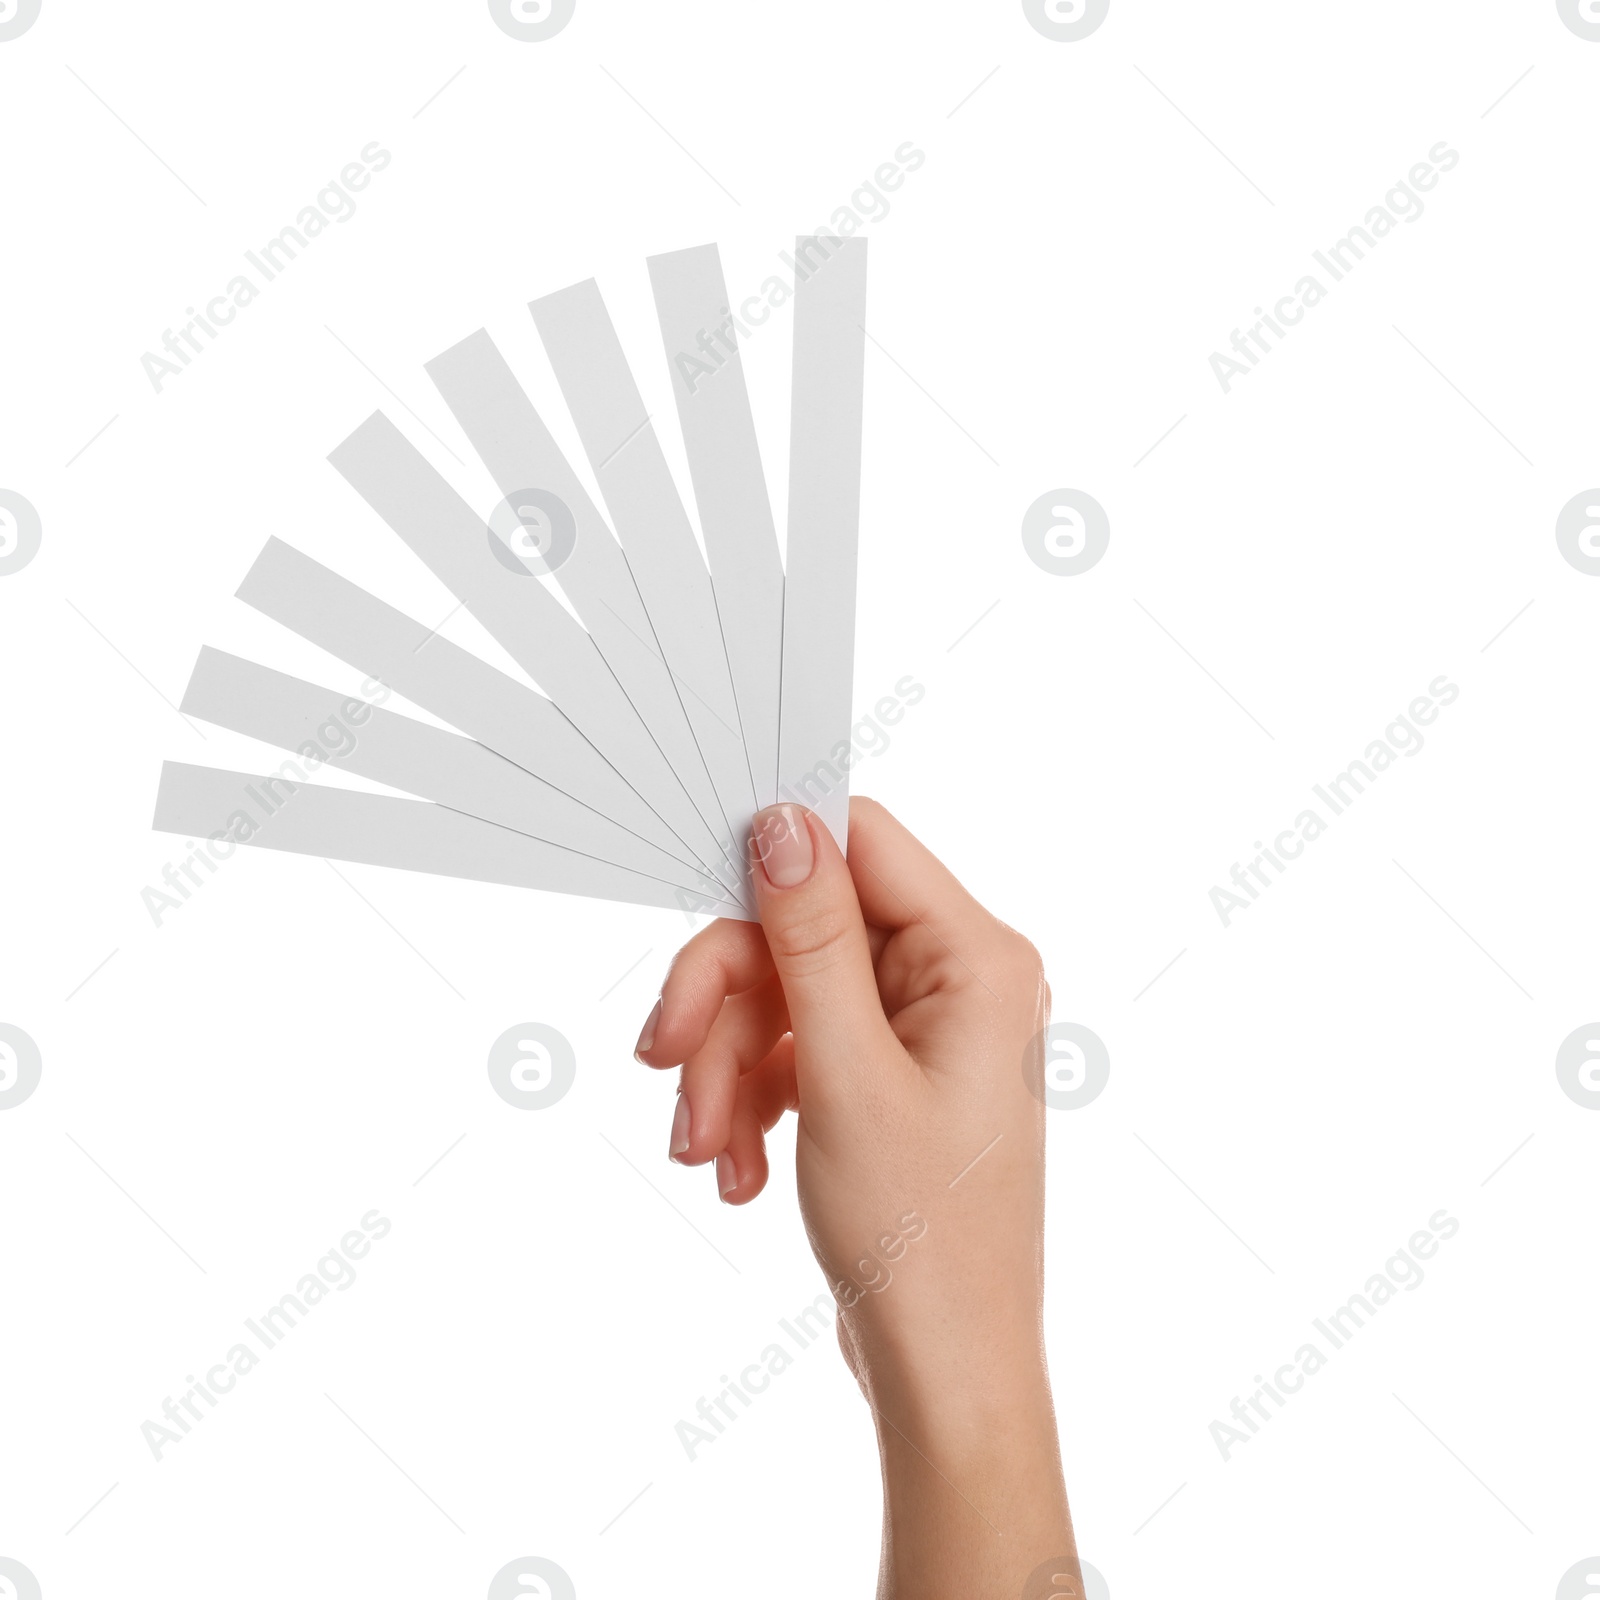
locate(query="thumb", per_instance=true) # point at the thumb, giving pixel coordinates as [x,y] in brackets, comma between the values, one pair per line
[808,908]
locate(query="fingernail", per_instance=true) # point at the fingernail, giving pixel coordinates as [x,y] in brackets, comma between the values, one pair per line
[647,1034]
[680,1127]
[782,843]
[727,1178]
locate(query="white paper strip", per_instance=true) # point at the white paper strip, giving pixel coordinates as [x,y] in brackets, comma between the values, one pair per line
[322,726]
[231,808]
[830,311]
[730,489]
[535,629]
[511,439]
[654,529]
[415,661]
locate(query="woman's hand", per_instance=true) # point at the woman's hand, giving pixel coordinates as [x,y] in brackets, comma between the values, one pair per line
[904,1023]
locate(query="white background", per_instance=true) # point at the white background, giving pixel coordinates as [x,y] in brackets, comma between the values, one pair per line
[1289,1100]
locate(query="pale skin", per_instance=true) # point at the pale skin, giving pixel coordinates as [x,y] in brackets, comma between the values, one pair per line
[879,1001]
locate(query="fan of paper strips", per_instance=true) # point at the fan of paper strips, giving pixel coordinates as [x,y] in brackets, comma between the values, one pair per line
[682,701]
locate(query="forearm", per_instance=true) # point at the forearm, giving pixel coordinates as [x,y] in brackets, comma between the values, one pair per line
[919,1160]
[974,1499]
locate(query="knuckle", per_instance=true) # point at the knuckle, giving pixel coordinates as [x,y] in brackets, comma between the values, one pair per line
[1021,968]
[809,942]
[1021,956]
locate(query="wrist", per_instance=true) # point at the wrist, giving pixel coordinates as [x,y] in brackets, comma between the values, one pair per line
[946,1371]
[987,1408]
[959,1391]
[974,1495]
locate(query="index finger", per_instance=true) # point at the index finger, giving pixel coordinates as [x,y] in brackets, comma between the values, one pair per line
[723,959]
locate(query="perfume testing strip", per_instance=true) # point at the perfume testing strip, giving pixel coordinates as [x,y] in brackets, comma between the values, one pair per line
[654,528]
[481,701]
[819,603]
[267,811]
[340,730]
[584,557]
[730,490]
[679,693]
[539,634]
